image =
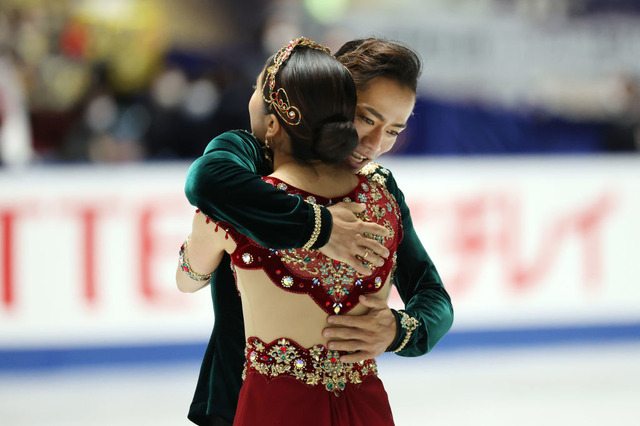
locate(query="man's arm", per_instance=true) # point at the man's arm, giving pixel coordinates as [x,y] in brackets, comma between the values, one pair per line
[420,288]
[225,183]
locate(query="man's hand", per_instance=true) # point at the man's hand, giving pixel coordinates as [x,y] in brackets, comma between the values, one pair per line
[346,240]
[369,334]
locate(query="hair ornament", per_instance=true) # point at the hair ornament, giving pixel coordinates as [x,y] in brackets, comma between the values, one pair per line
[278,99]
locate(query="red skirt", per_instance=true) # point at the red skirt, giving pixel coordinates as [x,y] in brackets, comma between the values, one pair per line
[287,385]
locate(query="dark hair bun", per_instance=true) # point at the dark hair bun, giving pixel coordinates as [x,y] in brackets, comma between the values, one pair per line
[335,140]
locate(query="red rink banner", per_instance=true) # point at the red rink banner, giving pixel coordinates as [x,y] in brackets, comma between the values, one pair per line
[88,254]
[526,242]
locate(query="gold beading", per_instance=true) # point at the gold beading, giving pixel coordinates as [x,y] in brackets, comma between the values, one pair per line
[409,324]
[315,366]
[316,227]
[278,99]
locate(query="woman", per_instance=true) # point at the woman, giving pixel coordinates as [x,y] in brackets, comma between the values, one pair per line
[290,375]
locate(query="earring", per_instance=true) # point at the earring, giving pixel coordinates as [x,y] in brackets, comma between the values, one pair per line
[267,149]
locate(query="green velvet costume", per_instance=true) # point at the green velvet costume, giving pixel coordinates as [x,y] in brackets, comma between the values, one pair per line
[225,184]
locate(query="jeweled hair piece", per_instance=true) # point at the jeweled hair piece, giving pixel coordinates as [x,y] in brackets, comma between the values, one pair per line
[278,99]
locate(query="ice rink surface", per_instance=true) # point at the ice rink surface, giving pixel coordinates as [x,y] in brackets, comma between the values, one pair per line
[587,384]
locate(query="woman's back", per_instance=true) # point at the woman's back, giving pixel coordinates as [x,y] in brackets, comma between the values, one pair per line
[290,293]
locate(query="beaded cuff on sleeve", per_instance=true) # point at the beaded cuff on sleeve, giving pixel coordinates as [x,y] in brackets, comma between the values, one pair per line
[316,227]
[408,324]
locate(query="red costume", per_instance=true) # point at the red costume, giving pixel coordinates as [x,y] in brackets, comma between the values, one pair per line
[286,384]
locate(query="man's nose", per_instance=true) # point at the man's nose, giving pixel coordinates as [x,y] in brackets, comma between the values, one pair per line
[373,139]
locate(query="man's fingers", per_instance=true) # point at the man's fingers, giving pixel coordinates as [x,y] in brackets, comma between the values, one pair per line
[360,268]
[345,345]
[374,246]
[353,207]
[350,240]
[372,258]
[371,251]
[357,347]
[340,324]
[373,228]
[356,357]
[368,251]
[372,302]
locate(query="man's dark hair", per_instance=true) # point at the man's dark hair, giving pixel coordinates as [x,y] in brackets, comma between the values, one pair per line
[373,57]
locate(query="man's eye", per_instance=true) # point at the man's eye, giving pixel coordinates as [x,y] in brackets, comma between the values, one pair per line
[393,133]
[367,120]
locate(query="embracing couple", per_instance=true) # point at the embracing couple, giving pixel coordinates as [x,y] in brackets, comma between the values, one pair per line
[300,236]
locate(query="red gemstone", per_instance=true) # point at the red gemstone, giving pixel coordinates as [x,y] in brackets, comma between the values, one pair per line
[333,359]
[348,303]
[283,348]
[278,271]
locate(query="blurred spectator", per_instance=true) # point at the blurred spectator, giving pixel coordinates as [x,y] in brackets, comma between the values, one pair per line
[127,80]
[15,137]
[624,128]
[118,81]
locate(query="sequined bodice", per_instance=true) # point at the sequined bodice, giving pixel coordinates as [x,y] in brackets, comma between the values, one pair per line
[333,285]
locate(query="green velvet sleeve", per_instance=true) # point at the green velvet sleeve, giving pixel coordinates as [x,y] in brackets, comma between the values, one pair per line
[225,183]
[419,286]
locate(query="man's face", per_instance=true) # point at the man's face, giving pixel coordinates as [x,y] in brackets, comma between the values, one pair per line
[381,114]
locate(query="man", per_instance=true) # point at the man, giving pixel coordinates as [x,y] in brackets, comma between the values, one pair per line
[225,184]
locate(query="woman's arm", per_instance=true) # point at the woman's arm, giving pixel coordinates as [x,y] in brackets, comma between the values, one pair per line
[201,254]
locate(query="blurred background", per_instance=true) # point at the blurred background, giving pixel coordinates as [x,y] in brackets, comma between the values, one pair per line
[520,166]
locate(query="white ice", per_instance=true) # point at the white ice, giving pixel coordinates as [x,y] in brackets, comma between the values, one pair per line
[583,385]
